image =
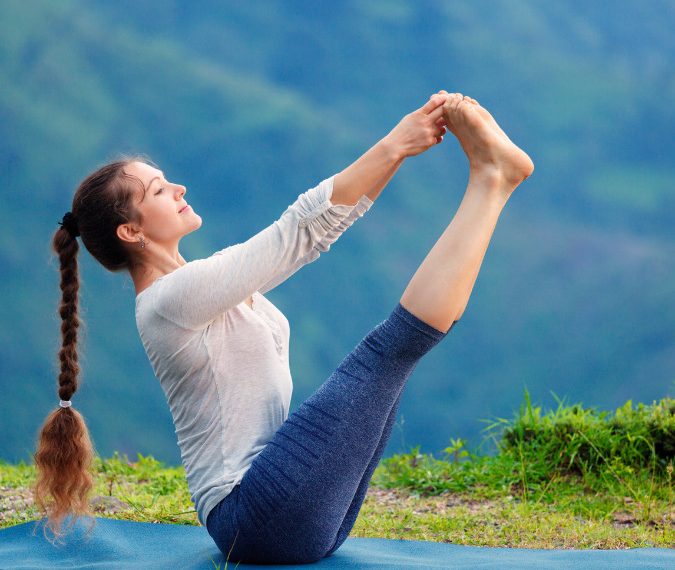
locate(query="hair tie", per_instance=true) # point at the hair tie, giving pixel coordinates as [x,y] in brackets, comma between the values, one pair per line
[65,403]
[70,223]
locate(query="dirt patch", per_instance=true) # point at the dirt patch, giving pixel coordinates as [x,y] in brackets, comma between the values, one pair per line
[19,504]
[440,504]
[15,503]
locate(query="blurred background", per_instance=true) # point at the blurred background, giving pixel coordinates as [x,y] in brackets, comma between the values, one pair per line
[249,104]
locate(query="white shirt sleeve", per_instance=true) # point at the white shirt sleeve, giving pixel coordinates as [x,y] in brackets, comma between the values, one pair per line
[196,293]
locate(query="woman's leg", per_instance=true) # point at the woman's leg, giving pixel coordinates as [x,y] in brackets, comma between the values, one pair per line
[353,511]
[360,495]
[294,502]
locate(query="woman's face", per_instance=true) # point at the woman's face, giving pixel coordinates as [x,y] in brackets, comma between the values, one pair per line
[166,215]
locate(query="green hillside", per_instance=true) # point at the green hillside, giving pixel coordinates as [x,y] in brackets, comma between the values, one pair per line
[250,104]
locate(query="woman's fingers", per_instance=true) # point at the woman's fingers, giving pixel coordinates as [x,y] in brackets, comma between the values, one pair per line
[423,128]
[434,102]
[437,113]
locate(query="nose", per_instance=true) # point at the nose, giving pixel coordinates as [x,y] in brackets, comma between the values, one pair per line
[181,191]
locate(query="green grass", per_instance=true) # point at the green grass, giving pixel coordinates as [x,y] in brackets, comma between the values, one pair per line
[572,477]
[568,478]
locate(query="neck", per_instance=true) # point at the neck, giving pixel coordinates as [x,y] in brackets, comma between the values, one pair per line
[154,265]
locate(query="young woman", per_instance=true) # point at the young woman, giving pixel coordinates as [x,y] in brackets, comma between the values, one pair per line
[269,487]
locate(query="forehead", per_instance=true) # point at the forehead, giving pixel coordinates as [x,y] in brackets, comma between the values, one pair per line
[144,172]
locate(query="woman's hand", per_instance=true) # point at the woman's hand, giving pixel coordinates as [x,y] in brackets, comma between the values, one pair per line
[414,134]
[421,129]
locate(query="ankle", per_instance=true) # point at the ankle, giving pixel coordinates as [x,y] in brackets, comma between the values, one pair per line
[490,183]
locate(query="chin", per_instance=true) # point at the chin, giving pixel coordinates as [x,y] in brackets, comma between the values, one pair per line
[198,223]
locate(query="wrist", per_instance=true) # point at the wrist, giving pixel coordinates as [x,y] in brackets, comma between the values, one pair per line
[393,150]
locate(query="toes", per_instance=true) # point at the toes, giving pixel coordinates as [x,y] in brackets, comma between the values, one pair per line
[470,100]
[451,107]
[449,101]
[468,113]
[463,103]
[452,101]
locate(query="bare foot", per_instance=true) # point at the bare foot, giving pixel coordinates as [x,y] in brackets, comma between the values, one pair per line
[490,151]
[487,116]
[483,111]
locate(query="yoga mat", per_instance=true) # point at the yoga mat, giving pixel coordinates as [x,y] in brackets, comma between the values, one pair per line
[127,544]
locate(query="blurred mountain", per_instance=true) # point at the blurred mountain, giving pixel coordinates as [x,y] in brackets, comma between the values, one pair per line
[249,104]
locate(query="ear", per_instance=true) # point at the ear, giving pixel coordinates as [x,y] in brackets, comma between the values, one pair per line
[128,232]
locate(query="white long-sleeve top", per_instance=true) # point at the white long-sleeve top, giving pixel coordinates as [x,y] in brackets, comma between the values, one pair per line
[223,365]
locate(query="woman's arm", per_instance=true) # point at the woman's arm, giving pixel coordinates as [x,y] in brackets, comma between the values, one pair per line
[414,134]
[197,292]
[323,245]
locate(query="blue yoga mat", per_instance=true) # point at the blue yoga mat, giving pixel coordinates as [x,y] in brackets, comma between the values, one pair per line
[127,544]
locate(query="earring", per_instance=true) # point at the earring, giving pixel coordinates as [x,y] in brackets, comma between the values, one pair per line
[142,242]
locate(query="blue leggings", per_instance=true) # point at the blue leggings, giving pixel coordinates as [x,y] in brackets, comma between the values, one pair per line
[302,493]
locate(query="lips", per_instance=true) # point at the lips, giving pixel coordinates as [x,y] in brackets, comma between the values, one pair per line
[183,208]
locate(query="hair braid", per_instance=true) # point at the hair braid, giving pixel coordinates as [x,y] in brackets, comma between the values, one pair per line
[64,452]
[70,286]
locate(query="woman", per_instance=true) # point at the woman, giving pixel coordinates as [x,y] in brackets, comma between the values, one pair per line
[270,487]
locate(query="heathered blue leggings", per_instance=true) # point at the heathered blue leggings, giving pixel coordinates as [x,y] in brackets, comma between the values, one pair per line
[300,497]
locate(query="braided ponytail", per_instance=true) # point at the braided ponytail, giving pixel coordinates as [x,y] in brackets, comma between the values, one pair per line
[64,450]
[64,454]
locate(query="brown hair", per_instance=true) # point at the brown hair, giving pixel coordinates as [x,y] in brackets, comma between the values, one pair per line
[65,453]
